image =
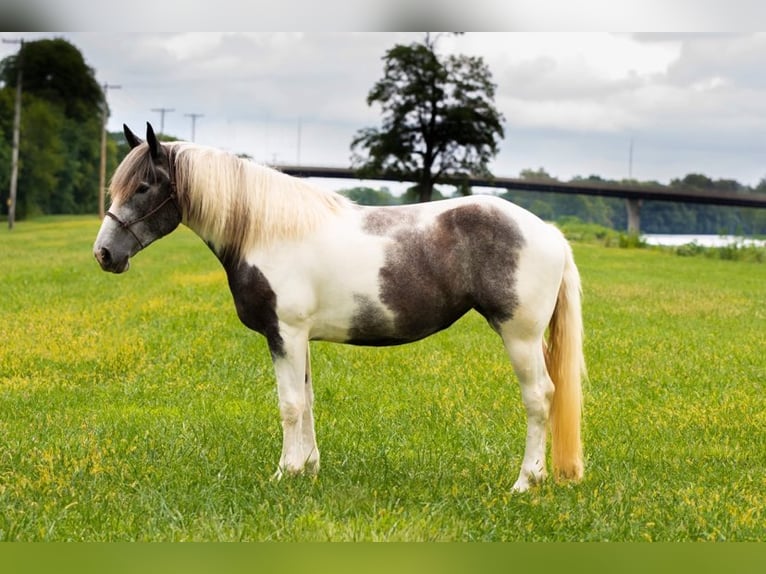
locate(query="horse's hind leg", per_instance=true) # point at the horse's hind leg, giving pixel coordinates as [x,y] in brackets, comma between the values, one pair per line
[536,393]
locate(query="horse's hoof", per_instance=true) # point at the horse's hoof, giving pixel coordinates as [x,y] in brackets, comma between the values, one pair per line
[520,486]
[527,480]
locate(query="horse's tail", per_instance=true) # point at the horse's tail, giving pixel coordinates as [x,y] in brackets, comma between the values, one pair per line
[566,366]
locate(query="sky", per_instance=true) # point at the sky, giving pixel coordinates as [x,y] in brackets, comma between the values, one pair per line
[651,106]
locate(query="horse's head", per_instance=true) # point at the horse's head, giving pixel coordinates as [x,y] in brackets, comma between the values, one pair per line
[144,202]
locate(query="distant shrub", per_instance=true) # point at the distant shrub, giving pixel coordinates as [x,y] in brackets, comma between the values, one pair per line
[737,251]
[631,241]
[576,230]
[689,249]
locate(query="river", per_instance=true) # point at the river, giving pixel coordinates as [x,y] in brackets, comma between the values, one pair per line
[702,240]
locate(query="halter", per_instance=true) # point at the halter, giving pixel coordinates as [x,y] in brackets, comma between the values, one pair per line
[126,225]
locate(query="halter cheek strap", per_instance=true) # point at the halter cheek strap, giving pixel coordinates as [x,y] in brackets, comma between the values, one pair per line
[172,197]
[128,224]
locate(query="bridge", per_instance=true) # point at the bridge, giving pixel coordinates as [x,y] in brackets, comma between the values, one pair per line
[633,194]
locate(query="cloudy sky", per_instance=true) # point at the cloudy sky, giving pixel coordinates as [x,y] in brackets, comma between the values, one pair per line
[574,103]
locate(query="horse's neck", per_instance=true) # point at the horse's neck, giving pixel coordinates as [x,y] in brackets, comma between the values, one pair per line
[256,207]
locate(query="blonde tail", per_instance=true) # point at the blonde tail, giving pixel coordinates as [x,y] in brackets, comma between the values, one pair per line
[566,366]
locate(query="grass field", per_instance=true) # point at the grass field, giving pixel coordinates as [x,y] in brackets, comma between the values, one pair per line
[137,407]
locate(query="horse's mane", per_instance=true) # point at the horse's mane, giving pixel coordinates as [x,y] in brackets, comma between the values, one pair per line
[233,203]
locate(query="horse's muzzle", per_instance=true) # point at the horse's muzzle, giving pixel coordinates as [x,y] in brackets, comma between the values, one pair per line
[107,261]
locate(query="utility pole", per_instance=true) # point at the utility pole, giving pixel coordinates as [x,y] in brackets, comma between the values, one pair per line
[633,206]
[162,112]
[298,151]
[194,123]
[16,129]
[102,167]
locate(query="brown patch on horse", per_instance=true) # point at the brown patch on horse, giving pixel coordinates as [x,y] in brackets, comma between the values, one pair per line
[371,325]
[382,220]
[432,276]
[255,301]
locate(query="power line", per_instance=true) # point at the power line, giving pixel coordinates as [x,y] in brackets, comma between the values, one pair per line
[162,112]
[194,123]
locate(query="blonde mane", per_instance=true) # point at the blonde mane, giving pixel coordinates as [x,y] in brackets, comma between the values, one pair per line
[233,203]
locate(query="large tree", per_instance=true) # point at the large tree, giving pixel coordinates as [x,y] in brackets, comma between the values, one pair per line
[60,128]
[55,71]
[439,118]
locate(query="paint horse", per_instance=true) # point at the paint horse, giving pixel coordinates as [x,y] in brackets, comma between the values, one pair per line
[305,264]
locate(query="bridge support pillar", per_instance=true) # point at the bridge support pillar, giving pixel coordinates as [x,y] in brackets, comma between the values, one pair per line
[634,215]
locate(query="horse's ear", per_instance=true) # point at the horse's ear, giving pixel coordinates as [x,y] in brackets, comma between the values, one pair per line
[154,145]
[132,139]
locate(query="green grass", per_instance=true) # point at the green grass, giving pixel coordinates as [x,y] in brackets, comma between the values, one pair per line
[137,407]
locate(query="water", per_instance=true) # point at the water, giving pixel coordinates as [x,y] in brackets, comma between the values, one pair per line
[702,240]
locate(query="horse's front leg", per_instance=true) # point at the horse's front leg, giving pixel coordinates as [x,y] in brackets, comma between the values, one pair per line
[290,369]
[310,448]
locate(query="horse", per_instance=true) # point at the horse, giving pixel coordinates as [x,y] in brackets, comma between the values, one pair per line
[304,264]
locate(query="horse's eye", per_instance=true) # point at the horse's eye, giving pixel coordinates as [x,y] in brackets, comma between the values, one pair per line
[143,188]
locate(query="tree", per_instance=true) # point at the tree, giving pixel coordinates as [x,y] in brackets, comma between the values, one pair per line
[538,174]
[42,159]
[55,71]
[693,180]
[370,196]
[61,127]
[439,118]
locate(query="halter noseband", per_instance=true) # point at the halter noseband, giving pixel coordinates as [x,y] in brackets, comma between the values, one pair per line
[126,225]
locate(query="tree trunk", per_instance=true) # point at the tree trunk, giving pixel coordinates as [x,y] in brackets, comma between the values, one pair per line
[425,190]
[426,184]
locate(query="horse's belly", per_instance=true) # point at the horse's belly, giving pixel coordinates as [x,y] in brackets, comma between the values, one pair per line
[363,319]
[376,324]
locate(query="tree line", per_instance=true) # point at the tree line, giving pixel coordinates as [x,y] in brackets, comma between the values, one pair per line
[438,118]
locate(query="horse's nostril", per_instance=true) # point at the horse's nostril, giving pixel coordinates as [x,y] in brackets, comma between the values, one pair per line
[103,256]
